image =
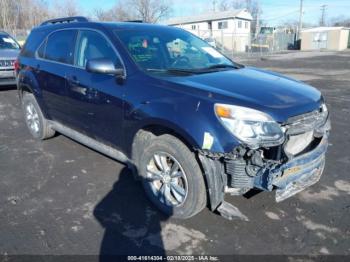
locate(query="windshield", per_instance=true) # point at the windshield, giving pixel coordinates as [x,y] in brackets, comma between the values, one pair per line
[171,49]
[7,42]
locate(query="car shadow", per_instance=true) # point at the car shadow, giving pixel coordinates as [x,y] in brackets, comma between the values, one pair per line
[132,225]
[7,88]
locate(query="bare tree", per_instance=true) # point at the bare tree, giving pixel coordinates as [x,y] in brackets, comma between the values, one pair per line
[146,10]
[32,13]
[62,8]
[224,5]
[150,11]
[9,13]
[119,12]
[103,15]
[340,21]
[26,14]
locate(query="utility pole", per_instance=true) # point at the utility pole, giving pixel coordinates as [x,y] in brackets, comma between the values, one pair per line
[300,19]
[257,22]
[323,9]
[214,5]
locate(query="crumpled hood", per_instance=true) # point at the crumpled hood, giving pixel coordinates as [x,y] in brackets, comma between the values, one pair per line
[10,54]
[279,96]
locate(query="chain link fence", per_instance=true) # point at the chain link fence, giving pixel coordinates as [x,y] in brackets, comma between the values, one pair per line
[233,44]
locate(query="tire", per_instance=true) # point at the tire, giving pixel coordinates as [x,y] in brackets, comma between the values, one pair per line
[184,203]
[34,118]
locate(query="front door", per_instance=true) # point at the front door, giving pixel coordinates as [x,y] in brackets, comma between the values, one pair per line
[95,100]
[319,40]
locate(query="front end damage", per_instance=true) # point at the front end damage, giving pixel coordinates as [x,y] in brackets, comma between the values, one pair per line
[287,168]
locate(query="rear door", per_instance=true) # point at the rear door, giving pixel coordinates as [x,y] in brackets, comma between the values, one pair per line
[55,58]
[95,100]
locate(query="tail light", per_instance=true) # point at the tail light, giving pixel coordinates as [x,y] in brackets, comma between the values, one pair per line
[16,65]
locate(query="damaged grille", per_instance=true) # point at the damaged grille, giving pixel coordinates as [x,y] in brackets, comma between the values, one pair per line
[300,130]
[306,122]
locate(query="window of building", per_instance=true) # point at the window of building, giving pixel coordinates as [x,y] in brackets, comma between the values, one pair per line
[60,46]
[239,24]
[222,25]
[194,27]
[246,25]
[92,45]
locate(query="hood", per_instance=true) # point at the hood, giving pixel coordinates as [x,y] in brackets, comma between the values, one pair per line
[9,54]
[279,96]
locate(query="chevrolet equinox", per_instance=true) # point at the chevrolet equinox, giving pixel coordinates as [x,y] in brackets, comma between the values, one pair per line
[190,123]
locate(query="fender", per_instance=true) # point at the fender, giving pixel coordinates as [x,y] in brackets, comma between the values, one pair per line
[27,81]
[198,125]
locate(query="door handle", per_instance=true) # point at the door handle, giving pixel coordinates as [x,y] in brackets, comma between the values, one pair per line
[78,89]
[73,80]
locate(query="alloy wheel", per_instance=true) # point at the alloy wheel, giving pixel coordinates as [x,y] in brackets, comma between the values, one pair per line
[32,118]
[167,179]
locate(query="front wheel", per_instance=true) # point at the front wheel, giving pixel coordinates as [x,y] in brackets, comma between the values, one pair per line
[172,178]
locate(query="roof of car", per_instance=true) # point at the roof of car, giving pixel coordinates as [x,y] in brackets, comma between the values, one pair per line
[69,22]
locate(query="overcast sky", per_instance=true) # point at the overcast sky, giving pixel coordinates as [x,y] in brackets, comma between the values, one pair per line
[274,11]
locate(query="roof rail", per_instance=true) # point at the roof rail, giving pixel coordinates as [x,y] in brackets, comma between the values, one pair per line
[65,20]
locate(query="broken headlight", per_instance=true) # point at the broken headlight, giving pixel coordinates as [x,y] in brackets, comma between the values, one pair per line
[252,127]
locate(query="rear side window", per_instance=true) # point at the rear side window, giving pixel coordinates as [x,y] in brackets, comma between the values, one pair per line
[60,46]
[93,45]
[33,41]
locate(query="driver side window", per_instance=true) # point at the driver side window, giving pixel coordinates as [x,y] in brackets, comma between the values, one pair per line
[92,45]
[179,48]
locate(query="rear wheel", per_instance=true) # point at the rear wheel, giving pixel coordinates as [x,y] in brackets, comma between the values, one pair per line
[36,123]
[172,178]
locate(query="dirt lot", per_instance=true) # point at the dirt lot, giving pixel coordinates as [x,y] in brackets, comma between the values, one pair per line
[59,197]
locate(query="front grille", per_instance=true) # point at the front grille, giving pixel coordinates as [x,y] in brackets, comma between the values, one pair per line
[7,63]
[306,122]
[300,130]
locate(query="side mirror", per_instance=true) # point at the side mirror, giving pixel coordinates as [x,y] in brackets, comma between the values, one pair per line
[103,66]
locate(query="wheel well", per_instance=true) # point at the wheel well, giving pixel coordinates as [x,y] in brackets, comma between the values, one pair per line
[157,130]
[145,134]
[24,89]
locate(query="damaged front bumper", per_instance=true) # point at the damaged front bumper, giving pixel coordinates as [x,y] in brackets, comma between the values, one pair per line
[295,175]
[235,174]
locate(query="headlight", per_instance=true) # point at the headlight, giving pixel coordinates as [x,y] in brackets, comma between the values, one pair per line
[252,127]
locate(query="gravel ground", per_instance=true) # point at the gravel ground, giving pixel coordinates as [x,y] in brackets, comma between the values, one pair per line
[59,197]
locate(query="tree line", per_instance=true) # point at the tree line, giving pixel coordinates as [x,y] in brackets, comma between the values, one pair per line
[26,14]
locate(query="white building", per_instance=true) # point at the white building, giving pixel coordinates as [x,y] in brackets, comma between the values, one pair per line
[327,38]
[230,29]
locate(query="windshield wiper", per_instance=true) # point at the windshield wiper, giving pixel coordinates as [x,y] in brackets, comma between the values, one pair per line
[188,71]
[183,70]
[175,71]
[223,66]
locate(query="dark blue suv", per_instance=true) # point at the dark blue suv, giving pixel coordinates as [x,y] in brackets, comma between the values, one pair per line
[191,124]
